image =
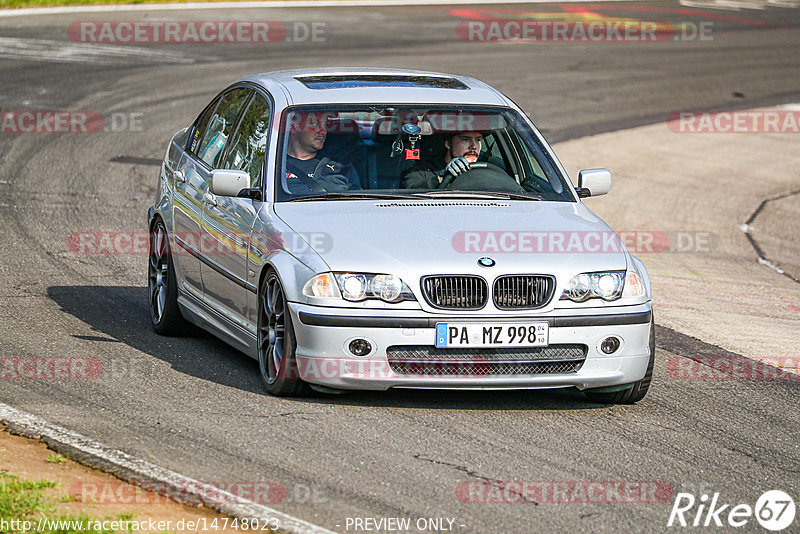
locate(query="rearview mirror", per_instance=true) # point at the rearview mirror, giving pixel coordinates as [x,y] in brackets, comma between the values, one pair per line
[593,182]
[228,183]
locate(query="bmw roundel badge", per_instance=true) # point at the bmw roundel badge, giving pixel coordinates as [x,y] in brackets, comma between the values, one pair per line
[486,262]
[411,129]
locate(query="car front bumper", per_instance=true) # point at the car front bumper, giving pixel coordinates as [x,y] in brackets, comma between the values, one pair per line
[323,335]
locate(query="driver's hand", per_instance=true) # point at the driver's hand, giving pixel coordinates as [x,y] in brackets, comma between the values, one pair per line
[457,166]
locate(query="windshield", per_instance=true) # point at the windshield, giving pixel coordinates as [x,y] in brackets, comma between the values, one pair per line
[409,151]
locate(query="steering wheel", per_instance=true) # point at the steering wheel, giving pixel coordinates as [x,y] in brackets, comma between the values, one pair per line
[482,176]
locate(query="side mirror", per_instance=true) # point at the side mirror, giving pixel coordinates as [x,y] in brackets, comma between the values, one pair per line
[593,182]
[228,183]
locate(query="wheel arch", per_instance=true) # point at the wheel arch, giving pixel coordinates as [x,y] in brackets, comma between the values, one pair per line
[290,271]
[161,210]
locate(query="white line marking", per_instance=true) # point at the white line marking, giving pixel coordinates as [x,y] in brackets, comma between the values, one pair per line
[230,504]
[66,52]
[267,4]
[764,261]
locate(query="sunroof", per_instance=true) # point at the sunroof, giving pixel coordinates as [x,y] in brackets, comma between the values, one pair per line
[379,80]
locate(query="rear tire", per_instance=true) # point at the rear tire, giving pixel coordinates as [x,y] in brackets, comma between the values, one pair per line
[276,341]
[162,285]
[638,390]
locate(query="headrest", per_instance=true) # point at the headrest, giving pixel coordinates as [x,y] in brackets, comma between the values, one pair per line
[342,126]
[452,122]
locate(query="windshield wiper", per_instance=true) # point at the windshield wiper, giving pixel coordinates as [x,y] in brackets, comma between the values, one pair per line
[455,193]
[360,195]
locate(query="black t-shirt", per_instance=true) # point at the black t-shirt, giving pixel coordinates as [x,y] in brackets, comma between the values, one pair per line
[319,175]
[302,166]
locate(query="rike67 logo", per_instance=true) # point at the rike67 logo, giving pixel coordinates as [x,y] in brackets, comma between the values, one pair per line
[774,510]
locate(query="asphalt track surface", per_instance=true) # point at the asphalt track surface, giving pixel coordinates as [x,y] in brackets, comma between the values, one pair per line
[196,406]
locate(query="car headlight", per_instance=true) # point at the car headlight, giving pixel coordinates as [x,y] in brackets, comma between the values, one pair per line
[358,286]
[353,286]
[323,286]
[606,285]
[633,285]
[387,287]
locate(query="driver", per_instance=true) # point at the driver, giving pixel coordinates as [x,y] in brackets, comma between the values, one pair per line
[461,150]
[307,171]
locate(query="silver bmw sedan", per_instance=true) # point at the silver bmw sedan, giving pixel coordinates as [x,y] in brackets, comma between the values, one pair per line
[374,229]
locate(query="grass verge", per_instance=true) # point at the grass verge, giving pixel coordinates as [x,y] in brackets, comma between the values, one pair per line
[43,491]
[17,4]
[24,503]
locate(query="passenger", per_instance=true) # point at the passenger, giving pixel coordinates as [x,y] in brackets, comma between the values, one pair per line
[461,150]
[307,171]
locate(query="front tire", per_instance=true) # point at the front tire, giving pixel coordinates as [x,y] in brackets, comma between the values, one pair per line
[276,341]
[162,285]
[638,390]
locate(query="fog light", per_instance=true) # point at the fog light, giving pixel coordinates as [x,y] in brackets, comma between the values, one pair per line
[610,345]
[360,347]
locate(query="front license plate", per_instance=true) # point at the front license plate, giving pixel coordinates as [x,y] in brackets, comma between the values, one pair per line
[449,335]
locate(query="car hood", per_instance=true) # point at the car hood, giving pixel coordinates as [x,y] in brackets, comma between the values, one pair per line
[449,237]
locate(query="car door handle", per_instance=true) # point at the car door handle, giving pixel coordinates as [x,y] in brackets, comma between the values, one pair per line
[210,199]
[178,175]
